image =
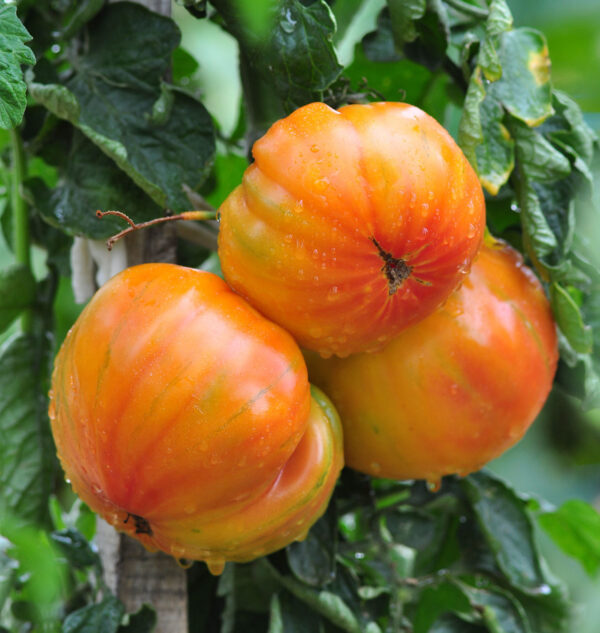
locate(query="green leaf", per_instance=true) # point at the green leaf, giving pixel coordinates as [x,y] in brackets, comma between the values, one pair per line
[500,611]
[496,153]
[81,13]
[13,53]
[104,617]
[142,621]
[540,160]
[470,133]
[524,88]
[447,597]
[313,559]
[129,50]
[75,547]
[537,232]
[17,292]
[500,18]
[91,181]
[572,129]
[403,14]
[568,317]
[575,528]
[26,450]
[452,624]
[429,48]
[289,615]
[299,57]
[508,531]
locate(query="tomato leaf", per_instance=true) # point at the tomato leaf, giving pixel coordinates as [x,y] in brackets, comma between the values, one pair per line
[159,155]
[524,88]
[26,451]
[568,317]
[446,597]
[17,292]
[75,547]
[508,531]
[289,615]
[575,528]
[103,617]
[313,559]
[453,624]
[496,154]
[13,53]
[403,14]
[91,181]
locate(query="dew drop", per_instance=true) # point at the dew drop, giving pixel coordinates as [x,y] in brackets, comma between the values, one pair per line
[316,332]
[332,293]
[177,551]
[314,148]
[190,508]
[376,467]
[215,565]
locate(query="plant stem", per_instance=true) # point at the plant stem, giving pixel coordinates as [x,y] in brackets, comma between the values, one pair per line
[468,9]
[20,214]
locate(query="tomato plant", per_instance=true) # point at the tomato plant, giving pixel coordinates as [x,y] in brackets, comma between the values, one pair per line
[167,426]
[458,388]
[350,225]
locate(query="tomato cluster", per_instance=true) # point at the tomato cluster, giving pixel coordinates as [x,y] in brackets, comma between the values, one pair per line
[185,417]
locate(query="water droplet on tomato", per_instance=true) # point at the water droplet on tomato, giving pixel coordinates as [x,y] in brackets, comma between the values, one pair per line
[314,148]
[177,551]
[471,232]
[332,293]
[375,467]
[316,332]
[190,508]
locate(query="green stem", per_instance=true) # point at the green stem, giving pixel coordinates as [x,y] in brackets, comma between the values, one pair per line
[20,215]
[468,9]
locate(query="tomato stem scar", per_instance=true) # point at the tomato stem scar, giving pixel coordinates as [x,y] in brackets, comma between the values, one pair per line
[186,215]
[395,269]
[141,525]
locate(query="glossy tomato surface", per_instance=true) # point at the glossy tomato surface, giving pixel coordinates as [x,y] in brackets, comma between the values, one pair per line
[174,403]
[455,390]
[351,225]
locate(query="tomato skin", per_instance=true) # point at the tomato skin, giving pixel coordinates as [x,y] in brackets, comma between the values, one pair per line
[457,389]
[329,197]
[174,400]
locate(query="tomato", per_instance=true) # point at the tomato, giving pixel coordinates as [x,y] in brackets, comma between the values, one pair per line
[455,390]
[185,418]
[351,225]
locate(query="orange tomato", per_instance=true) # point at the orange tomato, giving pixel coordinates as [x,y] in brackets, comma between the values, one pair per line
[185,418]
[351,225]
[455,390]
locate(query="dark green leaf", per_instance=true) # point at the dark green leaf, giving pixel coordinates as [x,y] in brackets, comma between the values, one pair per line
[91,181]
[568,317]
[452,624]
[500,611]
[403,14]
[429,48]
[447,597]
[129,51]
[575,528]
[496,153]
[17,292]
[104,617]
[289,615]
[26,450]
[313,559]
[508,531]
[13,53]
[300,57]
[537,232]
[75,547]
[142,621]
[183,65]
[379,45]
[524,88]
[81,13]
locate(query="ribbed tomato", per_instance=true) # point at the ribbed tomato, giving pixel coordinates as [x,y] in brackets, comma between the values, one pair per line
[351,225]
[457,389]
[184,418]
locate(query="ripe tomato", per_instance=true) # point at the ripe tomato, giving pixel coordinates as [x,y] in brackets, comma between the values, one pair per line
[184,418]
[455,390]
[351,225]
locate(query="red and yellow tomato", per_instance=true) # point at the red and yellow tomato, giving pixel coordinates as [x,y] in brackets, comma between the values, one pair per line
[185,418]
[351,225]
[456,390]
